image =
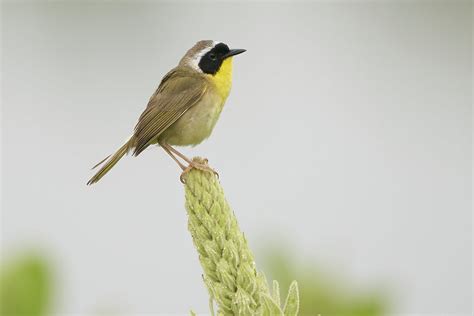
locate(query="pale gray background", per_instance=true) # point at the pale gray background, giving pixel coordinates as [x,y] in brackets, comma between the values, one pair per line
[348,134]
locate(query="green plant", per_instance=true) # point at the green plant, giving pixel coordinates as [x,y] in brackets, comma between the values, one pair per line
[25,287]
[322,291]
[230,274]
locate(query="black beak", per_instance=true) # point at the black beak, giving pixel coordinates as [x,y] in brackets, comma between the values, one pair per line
[234,52]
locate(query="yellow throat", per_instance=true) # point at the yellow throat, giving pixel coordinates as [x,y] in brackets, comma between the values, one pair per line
[223,78]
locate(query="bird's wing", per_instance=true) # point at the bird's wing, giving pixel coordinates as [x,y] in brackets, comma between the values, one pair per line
[178,92]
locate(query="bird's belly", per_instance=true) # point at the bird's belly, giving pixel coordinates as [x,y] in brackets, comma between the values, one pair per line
[196,124]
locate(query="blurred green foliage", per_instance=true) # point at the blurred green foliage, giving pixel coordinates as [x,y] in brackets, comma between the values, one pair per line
[321,293]
[25,287]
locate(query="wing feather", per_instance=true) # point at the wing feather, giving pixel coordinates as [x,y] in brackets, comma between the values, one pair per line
[178,92]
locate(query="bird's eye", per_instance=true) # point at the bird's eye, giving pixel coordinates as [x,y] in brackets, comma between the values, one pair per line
[212,56]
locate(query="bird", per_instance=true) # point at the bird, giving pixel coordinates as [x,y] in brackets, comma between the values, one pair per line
[184,108]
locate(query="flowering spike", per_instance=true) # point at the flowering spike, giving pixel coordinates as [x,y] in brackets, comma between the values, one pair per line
[229,268]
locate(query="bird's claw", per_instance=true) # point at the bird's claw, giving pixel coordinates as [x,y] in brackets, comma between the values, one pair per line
[201,165]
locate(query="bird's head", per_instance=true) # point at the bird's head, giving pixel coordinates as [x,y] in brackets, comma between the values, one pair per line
[207,56]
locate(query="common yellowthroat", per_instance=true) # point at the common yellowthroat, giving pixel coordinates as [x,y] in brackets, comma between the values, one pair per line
[185,107]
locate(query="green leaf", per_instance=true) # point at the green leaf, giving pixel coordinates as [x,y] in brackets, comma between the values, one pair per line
[262,281]
[211,305]
[276,292]
[292,300]
[270,308]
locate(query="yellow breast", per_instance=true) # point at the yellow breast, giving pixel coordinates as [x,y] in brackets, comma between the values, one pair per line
[223,79]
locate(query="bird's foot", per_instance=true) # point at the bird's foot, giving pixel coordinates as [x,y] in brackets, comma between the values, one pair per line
[197,163]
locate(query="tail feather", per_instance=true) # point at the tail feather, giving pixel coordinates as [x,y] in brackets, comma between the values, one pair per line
[100,162]
[110,161]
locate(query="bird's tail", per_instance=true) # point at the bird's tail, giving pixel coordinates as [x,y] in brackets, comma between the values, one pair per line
[110,161]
